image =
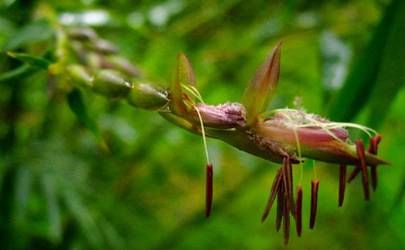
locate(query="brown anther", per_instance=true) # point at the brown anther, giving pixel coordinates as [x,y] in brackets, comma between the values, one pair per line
[273,192]
[208,189]
[291,183]
[298,211]
[280,205]
[362,164]
[354,174]
[314,202]
[373,149]
[342,183]
[287,181]
[286,220]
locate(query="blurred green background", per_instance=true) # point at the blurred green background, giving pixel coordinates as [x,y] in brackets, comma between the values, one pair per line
[61,189]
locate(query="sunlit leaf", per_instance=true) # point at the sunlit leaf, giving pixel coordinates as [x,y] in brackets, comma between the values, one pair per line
[263,85]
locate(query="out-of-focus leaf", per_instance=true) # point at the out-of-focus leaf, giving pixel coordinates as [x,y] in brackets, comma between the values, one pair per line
[391,76]
[263,85]
[55,224]
[32,33]
[76,104]
[335,56]
[23,189]
[84,217]
[20,72]
[35,61]
[362,79]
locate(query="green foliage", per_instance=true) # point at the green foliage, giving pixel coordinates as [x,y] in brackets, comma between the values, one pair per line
[60,188]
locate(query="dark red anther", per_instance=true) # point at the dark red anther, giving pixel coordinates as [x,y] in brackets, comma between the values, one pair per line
[342,183]
[280,205]
[273,192]
[354,174]
[208,190]
[291,183]
[286,220]
[287,181]
[314,202]
[373,149]
[362,164]
[298,211]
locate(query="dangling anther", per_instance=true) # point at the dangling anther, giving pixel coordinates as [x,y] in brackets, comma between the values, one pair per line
[314,202]
[342,183]
[373,149]
[208,190]
[280,205]
[354,174]
[298,211]
[291,183]
[362,164]
[287,182]
[286,220]
[273,192]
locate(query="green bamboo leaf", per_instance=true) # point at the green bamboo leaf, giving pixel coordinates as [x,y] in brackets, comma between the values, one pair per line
[362,79]
[76,104]
[263,85]
[34,32]
[23,185]
[391,76]
[20,72]
[35,61]
[54,214]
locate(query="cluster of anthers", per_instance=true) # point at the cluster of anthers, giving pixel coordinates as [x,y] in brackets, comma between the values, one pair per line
[286,136]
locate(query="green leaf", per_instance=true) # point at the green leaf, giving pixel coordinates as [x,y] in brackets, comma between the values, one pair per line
[391,76]
[34,32]
[23,185]
[263,85]
[76,104]
[20,72]
[35,61]
[362,79]
[54,214]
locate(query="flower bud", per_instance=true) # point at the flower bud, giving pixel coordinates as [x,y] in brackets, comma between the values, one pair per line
[103,47]
[82,34]
[79,75]
[146,96]
[111,84]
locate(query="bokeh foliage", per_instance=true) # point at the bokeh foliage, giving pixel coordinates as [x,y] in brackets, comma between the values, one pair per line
[81,172]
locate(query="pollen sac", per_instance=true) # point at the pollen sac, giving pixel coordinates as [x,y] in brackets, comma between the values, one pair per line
[314,203]
[298,211]
[342,183]
[363,168]
[273,193]
[208,190]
